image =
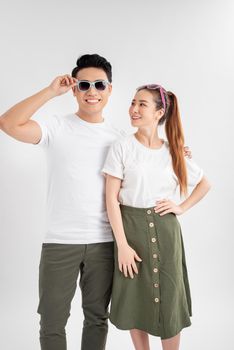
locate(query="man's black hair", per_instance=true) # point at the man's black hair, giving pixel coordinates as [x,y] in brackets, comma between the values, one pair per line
[94,60]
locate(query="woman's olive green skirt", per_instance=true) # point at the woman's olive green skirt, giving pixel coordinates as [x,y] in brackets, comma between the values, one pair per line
[157,300]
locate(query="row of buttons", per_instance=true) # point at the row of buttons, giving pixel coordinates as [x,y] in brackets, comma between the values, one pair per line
[153,240]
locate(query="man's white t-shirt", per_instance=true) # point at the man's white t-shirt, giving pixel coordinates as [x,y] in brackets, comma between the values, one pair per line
[76,151]
[147,174]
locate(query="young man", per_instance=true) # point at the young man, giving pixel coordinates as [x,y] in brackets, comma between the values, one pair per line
[79,237]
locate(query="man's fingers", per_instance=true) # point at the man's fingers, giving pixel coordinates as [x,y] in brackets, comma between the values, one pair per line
[67,80]
[64,81]
[189,154]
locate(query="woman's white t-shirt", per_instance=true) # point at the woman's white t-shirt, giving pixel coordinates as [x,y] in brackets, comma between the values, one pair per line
[147,174]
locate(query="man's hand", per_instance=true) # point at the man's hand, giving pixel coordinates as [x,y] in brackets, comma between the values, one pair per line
[187,152]
[62,84]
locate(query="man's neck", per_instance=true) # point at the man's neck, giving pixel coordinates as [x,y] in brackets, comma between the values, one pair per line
[90,118]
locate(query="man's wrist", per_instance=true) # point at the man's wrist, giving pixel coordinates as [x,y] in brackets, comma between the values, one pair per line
[50,92]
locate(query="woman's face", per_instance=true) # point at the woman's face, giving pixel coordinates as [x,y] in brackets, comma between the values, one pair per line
[143,110]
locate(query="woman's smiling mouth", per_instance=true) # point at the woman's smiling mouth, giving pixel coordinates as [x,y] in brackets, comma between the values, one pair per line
[135,117]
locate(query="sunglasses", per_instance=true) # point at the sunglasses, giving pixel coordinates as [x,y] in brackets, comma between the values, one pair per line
[85,85]
[155,87]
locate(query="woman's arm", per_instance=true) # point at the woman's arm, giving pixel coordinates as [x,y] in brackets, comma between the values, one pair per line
[126,255]
[165,206]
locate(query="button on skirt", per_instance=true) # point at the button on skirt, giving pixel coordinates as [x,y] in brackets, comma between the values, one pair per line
[158,299]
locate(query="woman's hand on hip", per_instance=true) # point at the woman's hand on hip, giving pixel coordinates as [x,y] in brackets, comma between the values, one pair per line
[126,259]
[165,206]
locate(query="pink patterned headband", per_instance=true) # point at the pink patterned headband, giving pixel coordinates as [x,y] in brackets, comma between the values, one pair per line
[155,87]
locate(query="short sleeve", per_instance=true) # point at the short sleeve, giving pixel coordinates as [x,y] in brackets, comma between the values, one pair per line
[123,133]
[114,161]
[194,172]
[49,128]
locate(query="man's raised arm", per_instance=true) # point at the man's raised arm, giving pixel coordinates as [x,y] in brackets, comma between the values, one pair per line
[16,121]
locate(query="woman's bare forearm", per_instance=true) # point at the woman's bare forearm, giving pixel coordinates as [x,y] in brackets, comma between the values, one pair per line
[127,256]
[197,194]
[116,222]
[113,210]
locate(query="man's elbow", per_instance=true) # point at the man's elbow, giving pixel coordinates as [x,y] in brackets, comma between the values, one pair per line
[2,124]
[6,126]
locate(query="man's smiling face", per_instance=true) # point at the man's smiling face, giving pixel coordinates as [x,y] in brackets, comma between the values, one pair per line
[93,101]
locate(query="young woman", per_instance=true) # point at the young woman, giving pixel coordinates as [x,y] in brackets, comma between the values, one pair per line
[151,293]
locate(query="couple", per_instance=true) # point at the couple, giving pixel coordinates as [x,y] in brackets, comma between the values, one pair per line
[87,158]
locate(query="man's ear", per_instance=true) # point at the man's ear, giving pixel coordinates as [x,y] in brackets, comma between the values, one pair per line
[110,88]
[74,90]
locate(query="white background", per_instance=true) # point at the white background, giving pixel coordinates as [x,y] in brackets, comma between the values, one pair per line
[187,46]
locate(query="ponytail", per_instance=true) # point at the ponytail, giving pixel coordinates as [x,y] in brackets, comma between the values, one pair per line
[175,136]
[174,131]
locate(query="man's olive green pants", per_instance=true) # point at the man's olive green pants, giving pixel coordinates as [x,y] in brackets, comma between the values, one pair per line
[59,269]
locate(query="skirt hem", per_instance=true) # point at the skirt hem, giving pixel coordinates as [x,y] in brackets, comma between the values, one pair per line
[156,334]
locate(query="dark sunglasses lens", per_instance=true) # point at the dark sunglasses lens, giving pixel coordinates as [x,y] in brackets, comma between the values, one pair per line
[100,85]
[84,85]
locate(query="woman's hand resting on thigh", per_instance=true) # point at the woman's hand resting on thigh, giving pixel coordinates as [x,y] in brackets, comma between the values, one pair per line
[126,259]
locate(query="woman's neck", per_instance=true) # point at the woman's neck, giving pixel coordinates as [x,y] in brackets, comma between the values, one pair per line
[149,138]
